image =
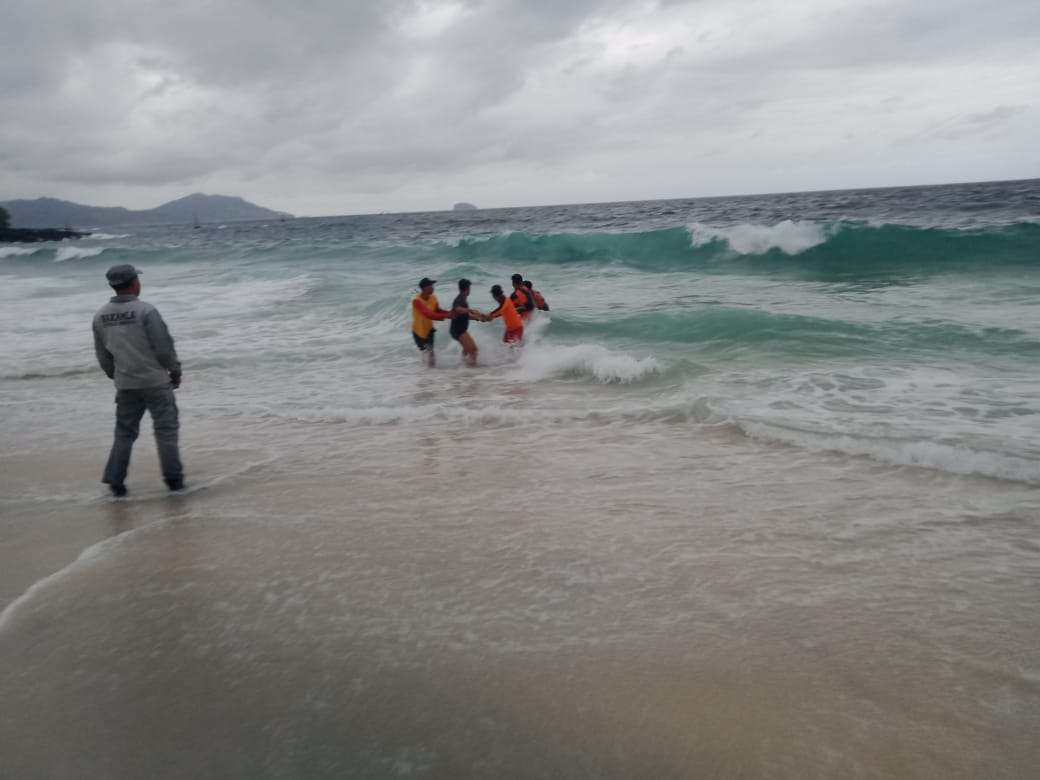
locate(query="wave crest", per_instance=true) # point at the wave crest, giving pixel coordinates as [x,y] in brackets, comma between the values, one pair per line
[955,459]
[15,251]
[790,237]
[838,251]
[543,361]
[65,253]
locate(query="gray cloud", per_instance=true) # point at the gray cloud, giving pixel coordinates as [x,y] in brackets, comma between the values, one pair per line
[332,107]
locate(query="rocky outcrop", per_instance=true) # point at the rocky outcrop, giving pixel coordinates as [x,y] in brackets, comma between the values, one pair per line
[46,234]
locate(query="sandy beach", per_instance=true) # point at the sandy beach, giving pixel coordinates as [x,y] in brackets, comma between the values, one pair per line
[301,615]
[541,390]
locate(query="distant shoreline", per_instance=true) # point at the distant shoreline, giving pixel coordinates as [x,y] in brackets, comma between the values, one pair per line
[190,210]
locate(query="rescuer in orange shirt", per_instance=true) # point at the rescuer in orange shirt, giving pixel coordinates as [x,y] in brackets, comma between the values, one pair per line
[507,311]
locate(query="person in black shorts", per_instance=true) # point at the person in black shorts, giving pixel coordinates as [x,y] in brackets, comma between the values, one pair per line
[425,311]
[460,314]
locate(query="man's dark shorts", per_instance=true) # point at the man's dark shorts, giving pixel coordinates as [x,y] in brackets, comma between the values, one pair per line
[424,343]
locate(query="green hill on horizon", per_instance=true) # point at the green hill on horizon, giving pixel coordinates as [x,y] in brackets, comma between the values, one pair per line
[51,212]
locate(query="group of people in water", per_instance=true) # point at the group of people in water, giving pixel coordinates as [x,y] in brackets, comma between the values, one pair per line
[135,350]
[514,309]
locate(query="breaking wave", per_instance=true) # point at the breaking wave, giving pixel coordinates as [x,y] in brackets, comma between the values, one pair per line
[65,253]
[584,360]
[835,251]
[788,236]
[15,251]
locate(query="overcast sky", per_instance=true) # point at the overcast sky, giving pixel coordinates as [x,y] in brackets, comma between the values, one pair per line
[342,106]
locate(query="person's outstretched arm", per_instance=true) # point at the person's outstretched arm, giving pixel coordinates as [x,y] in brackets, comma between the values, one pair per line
[426,311]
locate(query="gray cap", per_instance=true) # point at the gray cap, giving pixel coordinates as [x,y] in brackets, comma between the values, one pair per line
[121,275]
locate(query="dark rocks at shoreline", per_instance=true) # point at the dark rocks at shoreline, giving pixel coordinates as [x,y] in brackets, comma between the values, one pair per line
[45,234]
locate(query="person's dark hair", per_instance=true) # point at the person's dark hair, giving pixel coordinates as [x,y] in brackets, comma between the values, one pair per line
[517,278]
[528,284]
[496,290]
[464,284]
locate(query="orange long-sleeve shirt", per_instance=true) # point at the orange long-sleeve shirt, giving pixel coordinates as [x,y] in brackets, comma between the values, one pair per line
[507,311]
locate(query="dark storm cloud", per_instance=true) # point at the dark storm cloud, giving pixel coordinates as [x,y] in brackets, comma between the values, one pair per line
[333,98]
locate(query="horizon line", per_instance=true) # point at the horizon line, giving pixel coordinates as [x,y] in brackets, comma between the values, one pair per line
[555,205]
[684,197]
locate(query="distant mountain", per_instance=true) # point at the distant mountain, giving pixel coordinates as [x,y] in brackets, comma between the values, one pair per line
[463,207]
[49,212]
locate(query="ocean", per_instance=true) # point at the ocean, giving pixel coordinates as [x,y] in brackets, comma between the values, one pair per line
[758,497]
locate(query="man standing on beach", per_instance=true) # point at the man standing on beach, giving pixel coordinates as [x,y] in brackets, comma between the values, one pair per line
[426,309]
[135,349]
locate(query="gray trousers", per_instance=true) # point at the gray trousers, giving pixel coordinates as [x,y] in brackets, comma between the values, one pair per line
[130,406]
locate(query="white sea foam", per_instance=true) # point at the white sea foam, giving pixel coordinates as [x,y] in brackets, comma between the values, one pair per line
[85,558]
[15,251]
[546,361]
[108,236]
[749,239]
[76,253]
[930,454]
[490,414]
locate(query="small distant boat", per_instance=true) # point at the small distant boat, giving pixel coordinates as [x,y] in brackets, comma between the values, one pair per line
[195,218]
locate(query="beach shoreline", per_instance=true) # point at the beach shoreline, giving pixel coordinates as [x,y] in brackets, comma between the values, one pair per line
[346,595]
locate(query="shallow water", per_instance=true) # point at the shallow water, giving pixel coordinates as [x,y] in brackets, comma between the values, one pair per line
[473,600]
[769,511]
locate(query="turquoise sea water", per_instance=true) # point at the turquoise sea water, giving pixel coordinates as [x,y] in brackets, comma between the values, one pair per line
[900,324]
[759,497]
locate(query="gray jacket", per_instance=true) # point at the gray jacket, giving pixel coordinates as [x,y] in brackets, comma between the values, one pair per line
[133,345]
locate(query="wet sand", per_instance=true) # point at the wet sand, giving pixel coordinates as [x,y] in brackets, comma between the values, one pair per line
[431,600]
